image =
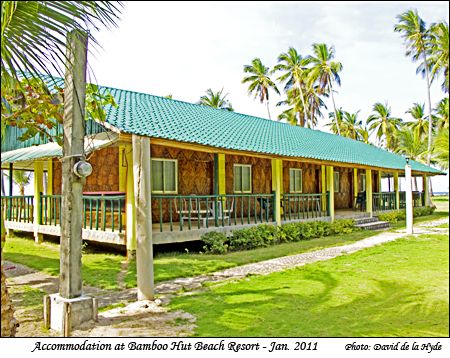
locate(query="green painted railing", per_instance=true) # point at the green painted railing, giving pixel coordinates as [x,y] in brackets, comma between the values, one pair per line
[103,212]
[51,209]
[18,208]
[383,201]
[304,206]
[418,199]
[187,212]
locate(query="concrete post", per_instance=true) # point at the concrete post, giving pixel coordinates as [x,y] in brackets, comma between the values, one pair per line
[143,204]
[330,188]
[397,192]
[369,192]
[409,199]
[426,190]
[130,210]
[38,189]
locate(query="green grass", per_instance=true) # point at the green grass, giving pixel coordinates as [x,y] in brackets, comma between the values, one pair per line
[27,298]
[389,290]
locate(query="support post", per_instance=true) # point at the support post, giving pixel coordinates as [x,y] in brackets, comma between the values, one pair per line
[277,167]
[379,175]
[143,204]
[49,185]
[130,210]
[355,186]
[409,199]
[38,189]
[122,169]
[369,192]
[10,190]
[397,192]
[330,188]
[221,174]
[324,187]
[426,191]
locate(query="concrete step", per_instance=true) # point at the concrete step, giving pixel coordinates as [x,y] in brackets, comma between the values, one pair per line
[361,221]
[376,225]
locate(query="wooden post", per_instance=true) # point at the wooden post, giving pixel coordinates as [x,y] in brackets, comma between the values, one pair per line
[38,189]
[355,186]
[221,174]
[277,166]
[426,191]
[122,169]
[49,186]
[379,175]
[397,192]
[409,199]
[70,285]
[369,191]
[330,188]
[324,186]
[143,204]
[130,210]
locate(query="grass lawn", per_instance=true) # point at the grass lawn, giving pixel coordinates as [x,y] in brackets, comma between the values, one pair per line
[396,289]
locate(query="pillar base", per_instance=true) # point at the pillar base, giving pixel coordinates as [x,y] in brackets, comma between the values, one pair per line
[38,238]
[65,314]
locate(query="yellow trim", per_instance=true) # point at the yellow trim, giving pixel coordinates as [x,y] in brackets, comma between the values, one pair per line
[38,188]
[50,177]
[176,176]
[251,183]
[277,165]
[330,187]
[355,182]
[222,174]
[397,192]
[369,191]
[324,186]
[122,170]
[130,207]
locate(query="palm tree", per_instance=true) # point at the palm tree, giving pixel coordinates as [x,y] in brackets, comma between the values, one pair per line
[294,73]
[420,123]
[363,134]
[325,71]
[350,125]
[22,179]
[289,115]
[33,40]
[336,120]
[439,53]
[259,81]
[441,149]
[384,124]
[216,100]
[442,113]
[417,40]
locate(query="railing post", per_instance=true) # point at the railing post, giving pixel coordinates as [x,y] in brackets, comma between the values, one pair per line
[397,192]
[323,178]
[426,191]
[38,188]
[330,187]
[369,192]
[277,167]
[130,210]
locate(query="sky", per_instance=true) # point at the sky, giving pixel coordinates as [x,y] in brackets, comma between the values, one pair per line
[184,48]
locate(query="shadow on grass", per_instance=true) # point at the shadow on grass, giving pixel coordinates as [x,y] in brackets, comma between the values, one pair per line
[316,306]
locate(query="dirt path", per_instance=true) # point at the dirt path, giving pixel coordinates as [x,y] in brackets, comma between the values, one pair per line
[152,318]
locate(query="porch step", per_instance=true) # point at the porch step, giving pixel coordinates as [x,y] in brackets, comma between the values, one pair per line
[375,225]
[367,220]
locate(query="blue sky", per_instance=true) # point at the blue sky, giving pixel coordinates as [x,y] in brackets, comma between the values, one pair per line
[184,48]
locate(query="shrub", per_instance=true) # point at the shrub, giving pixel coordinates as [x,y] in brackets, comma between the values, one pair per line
[400,215]
[253,237]
[215,242]
[343,226]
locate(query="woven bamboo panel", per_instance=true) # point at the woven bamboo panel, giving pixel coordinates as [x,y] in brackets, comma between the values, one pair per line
[261,173]
[311,177]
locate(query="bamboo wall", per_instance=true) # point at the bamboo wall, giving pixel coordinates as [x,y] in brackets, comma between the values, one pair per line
[311,176]
[343,198]
[105,172]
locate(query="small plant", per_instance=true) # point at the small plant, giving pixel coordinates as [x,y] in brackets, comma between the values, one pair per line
[215,242]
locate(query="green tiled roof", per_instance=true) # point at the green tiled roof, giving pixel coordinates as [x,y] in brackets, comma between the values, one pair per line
[161,117]
[165,118]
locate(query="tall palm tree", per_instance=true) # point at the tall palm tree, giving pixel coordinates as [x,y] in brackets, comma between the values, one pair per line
[350,125]
[440,150]
[420,122]
[363,134]
[384,124]
[442,114]
[216,100]
[259,81]
[325,71]
[33,40]
[294,72]
[418,46]
[439,55]
[22,179]
[336,120]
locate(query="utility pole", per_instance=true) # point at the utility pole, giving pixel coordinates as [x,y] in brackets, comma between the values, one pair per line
[70,308]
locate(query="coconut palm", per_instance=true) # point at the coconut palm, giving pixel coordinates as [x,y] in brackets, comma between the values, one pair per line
[216,100]
[439,54]
[259,81]
[420,122]
[440,150]
[289,116]
[363,134]
[325,71]
[294,72]
[442,114]
[33,40]
[418,46]
[336,120]
[383,124]
[350,125]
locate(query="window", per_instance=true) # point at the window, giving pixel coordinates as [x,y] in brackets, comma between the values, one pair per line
[336,182]
[363,182]
[242,178]
[164,176]
[295,181]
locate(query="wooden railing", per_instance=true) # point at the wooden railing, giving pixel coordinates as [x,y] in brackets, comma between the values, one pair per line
[185,212]
[103,212]
[51,209]
[304,206]
[18,208]
[383,201]
[418,199]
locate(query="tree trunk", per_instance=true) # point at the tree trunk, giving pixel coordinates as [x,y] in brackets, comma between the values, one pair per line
[268,111]
[430,123]
[305,109]
[334,106]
